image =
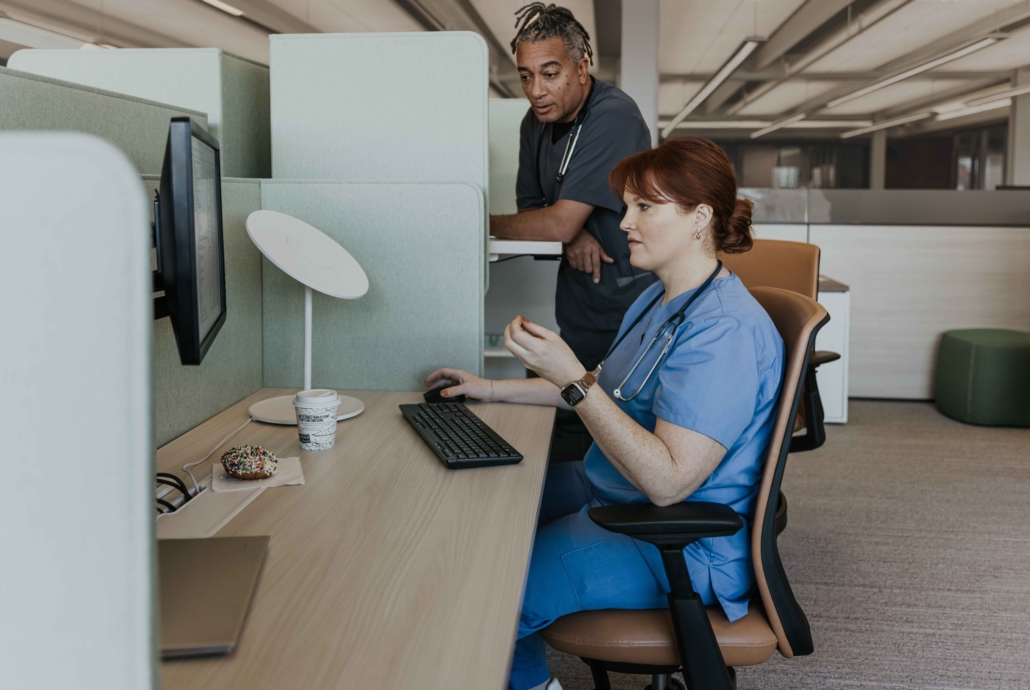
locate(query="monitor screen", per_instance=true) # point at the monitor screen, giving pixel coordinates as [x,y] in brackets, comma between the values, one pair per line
[205,209]
[189,240]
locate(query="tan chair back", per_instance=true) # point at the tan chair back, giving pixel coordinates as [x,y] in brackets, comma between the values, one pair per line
[798,320]
[779,264]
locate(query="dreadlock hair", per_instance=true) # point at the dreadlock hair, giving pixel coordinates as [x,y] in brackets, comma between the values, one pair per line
[540,22]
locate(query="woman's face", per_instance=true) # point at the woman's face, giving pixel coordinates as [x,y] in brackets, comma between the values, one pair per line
[661,234]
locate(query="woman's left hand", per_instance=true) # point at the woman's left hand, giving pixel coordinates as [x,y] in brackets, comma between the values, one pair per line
[543,351]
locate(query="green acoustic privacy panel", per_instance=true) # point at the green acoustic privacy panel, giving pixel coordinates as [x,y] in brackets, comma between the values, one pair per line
[233,91]
[138,127]
[186,396]
[405,107]
[380,107]
[983,376]
[420,246]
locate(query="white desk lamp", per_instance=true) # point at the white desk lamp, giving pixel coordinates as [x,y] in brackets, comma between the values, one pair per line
[315,260]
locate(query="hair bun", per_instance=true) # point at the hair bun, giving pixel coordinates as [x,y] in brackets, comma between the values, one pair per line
[738,236]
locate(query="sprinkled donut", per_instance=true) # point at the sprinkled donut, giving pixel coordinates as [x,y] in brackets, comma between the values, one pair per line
[249,462]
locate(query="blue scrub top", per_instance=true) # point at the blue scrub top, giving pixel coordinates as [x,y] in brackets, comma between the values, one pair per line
[721,378]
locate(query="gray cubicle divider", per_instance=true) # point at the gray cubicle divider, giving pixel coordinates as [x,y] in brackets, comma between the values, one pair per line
[232,369]
[424,308]
[138,127]
[78,576]
[232,90]
[385,107]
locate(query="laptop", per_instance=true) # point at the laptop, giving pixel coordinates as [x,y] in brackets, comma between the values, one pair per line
[205,588]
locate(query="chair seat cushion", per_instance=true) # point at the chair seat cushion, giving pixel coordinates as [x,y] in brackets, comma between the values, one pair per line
[646,636]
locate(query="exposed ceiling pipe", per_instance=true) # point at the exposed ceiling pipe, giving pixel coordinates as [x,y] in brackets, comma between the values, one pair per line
[918,69]
[746,48]
[869,19]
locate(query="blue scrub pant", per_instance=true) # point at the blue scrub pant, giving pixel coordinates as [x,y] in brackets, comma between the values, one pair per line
[578,566]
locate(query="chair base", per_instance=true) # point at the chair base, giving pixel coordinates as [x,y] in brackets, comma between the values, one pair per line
[600,670]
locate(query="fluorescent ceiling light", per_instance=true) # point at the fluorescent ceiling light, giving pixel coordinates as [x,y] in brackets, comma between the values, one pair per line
[983,107]
[778,125]
[925,67]
[1018,91]
[887,123]
[225,7]
[732,64]
[829,124]
[758,124]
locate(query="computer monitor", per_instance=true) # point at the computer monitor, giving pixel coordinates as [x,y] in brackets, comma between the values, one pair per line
[189,239]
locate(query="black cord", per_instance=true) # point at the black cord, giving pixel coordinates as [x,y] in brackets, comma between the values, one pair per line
[166,504]
[177,485]
[509,258]
[174,481]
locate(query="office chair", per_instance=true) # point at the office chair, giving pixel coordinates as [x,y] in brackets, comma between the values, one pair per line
[790,266]
[689,636]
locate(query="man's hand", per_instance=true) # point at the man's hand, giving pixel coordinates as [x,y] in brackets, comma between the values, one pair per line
[585,254]
[556,223]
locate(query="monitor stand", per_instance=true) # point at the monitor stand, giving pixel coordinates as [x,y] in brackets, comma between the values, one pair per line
[280,410]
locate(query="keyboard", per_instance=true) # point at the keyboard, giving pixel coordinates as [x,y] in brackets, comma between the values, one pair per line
[458,437]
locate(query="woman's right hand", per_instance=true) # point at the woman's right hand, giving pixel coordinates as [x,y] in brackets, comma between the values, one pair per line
[460,382]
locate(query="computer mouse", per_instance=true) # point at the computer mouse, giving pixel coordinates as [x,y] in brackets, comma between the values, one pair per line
[434,397]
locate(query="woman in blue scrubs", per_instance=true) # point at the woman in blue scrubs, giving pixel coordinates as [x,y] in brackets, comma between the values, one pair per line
[691,424]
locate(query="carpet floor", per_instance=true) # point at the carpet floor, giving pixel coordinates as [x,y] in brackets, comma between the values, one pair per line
[908,546]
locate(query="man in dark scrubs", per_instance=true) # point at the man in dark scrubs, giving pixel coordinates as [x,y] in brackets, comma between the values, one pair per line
[592,126]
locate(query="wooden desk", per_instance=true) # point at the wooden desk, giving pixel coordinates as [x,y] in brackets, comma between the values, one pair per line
[385,570]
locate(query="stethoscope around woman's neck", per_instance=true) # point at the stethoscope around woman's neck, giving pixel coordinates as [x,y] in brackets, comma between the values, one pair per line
[673,322]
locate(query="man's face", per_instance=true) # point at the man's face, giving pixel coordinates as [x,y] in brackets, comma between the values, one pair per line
[553,83]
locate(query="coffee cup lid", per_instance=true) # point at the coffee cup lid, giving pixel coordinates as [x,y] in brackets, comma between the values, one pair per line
[317,396]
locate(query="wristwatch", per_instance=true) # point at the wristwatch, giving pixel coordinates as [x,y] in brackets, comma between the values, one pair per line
[574,393]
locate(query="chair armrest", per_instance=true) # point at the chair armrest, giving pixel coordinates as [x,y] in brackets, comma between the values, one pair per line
[678,524]
[820,357]
[815,431]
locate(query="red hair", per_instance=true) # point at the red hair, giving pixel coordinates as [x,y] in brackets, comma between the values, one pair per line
[689,171]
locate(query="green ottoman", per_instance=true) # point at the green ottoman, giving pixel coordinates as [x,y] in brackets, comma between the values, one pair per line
[983,376]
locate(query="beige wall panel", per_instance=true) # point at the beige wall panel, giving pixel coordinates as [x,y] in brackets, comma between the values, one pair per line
[911,283]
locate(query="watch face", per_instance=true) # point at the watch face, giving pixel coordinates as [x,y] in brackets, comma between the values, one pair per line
[572,394]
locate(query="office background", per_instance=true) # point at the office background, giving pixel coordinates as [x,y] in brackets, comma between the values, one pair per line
[910,189]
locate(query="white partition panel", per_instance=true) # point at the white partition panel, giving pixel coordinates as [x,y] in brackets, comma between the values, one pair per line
[506,116]
[909,284]
[77,544]
[231,90]
[791,232]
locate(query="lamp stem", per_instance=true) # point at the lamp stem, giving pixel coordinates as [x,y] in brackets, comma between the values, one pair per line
[307,338]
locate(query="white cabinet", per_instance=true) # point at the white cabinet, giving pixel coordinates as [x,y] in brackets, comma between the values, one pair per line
[833,377]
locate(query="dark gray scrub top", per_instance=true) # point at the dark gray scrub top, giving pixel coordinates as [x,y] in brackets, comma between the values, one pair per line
[589,315]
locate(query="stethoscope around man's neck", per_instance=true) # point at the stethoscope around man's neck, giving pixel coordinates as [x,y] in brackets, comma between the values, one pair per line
[570,143]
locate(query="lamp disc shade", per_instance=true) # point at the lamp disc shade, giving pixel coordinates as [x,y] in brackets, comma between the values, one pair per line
[307,254]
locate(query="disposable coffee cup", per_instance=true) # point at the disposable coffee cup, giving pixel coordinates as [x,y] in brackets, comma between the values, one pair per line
[316,418]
